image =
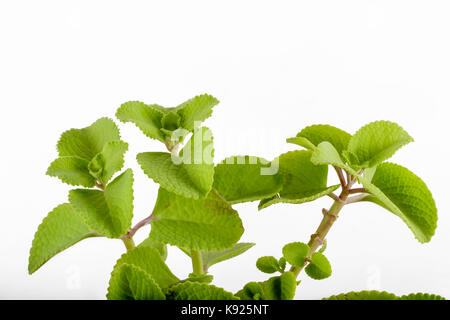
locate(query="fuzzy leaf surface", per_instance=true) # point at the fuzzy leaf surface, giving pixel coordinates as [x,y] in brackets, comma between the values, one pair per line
[132,283]
[191,174]
[295,253]
[267,264]
[198,291]
[85,143]
[72,170]
[319,268]
[62,228]
[106,163]
[107,212]
[207,224]
[364,295]
[375,143]
[198,109]
[245,178]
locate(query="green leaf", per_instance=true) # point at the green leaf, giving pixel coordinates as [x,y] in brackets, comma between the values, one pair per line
[421,296]
[245,178]
[132,283]
[310,137]
[204,278]
[403,193]
[282,264]
[109,161]
[146,117]
[109,212]
[296,253]
[326,154]
[319,268]
[87,142]
[171,121]
[62,228]
[159,246]
[207,224]
[375,143]
[363,295]
[303,181]
[149,260]
[198,291]
[280,287]
[191,174]
[72,170]
[197,109]
[212,257]
[267,264]
[251,291]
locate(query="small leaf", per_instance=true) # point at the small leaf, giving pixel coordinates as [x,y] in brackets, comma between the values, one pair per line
[319,268]
[109,161]
[149,260]
[310,137]
[251,291]
[198,291]
[207,224]
[295,253]
[146,117]
[245,178]
[282,264]
[281,287]
[375,143]
[191,174]
[325,154]
[87,142]
[171,121]
[72,170]
[303,181]
[109,212]
[267,264]
[62,228]
[363,295]
[196,109]
[132,283]
[403,193]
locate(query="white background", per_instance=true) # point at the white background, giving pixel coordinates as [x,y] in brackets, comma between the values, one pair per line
[276,67]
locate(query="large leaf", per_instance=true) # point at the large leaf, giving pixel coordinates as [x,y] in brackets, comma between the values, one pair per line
[198,291]
[245,178]
[72,170]
[303,181]
[62,228]
[87,142]
[132,283]
[191,174]
[146,117]
[311,136]
[403,193]
[206,224]
[375,143]
[107,212]
[109,161]
[149,260]
[196,109]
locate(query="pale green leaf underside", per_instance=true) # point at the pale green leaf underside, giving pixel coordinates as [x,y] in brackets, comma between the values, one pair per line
[87,142]
[191,174]
[403,193]
[72,170]
[145,117]
[212,257]
[295,253]
[245,178]
[310,137]
[149,260]
[207,224]
[198,291]
[132,283]
[303,180]
[62,228]
[319,268]
[106,163]
[375,143]
[110,212]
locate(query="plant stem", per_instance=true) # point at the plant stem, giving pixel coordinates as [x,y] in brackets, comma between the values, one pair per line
[197,262]
[129,243]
